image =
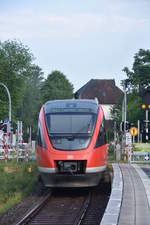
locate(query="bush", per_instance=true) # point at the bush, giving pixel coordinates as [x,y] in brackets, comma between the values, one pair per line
[15,182]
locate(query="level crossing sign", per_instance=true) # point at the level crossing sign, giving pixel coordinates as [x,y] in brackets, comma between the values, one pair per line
[128,139]
[133,131]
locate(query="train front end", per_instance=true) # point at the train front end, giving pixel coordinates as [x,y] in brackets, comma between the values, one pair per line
[71,145]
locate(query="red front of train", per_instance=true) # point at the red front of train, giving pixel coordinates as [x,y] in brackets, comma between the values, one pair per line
[71,146]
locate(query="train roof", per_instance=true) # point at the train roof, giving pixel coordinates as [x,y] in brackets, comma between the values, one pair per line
[71,105]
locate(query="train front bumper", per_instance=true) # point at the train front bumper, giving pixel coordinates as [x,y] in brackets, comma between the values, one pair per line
[90,178]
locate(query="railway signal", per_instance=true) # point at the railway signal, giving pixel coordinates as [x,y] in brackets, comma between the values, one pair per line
[143,106]
[146,107]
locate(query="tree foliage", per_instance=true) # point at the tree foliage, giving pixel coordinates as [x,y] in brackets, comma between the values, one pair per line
[56,86]
[138,81]
[31,103]
[139,77]
[25,82]
[116,111]
[15,60]
[134,112]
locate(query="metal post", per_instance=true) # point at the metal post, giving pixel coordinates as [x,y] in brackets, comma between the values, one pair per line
[115,133]
[146,125]
[125,113]
[17,147]
[125,107]
[30,137]
[133,139]
[9,97]
[122,130]
[138,131]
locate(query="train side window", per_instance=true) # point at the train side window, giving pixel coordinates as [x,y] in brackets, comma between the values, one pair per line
[40,138]
[39,141]
[101,139]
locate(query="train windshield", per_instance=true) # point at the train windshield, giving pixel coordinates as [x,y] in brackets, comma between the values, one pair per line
[70,131]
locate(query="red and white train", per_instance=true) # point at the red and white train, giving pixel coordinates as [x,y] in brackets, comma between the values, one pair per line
[71,145]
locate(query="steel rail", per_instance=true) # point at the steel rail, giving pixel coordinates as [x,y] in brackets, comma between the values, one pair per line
[34,211]
[83,210]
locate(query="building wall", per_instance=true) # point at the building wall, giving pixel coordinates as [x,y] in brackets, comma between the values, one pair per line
[107,109]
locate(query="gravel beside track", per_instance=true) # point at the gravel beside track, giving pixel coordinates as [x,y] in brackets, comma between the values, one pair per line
[74,206]
[99,200]
[62,208]
[16,213]
[78,206]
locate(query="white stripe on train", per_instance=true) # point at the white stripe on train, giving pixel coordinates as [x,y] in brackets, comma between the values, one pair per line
[88,170]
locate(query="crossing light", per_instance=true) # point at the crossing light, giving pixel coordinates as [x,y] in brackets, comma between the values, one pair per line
[146,100]
[143,106]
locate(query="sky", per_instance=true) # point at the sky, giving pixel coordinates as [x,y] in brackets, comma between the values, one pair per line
[84,39]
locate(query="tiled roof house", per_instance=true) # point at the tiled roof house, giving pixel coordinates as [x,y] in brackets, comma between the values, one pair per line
[106,91]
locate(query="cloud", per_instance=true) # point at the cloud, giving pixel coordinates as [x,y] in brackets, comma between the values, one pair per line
[29,25]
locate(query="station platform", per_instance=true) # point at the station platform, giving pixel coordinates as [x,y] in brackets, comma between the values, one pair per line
[129,203]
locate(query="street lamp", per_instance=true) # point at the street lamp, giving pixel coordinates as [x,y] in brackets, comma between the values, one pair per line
[9,97]
[124,114]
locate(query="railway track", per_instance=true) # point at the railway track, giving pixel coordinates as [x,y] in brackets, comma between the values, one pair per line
[59,209]
[33,212]
[68,208]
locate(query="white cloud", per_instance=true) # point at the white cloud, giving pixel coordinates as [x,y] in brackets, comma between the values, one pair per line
[30,25]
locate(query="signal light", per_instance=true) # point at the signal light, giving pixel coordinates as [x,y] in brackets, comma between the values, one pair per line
[144,106]
[148,106]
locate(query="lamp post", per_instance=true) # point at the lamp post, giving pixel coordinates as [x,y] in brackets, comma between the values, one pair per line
[124,114]
[9,97]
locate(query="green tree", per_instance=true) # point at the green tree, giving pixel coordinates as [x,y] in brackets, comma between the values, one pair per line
[15,59]
[24,80]
[139,76]
[56,86]
[32,100]
[134,111]
[138,81]
[116,111]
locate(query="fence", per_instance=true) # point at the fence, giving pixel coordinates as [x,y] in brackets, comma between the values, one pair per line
[140,157]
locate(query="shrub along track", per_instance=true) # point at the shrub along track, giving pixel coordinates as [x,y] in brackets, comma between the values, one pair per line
[71,207]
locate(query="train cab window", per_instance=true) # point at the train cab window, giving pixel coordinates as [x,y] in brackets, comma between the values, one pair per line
[70,131]
[101,139]
[40,138]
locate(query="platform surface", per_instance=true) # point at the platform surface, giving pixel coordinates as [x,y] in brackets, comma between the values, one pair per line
[135,207]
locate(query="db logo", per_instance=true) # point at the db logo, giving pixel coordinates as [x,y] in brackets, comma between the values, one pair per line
[70,157]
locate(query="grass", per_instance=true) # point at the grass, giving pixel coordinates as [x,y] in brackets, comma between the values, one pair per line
[15,182]
[142,147]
